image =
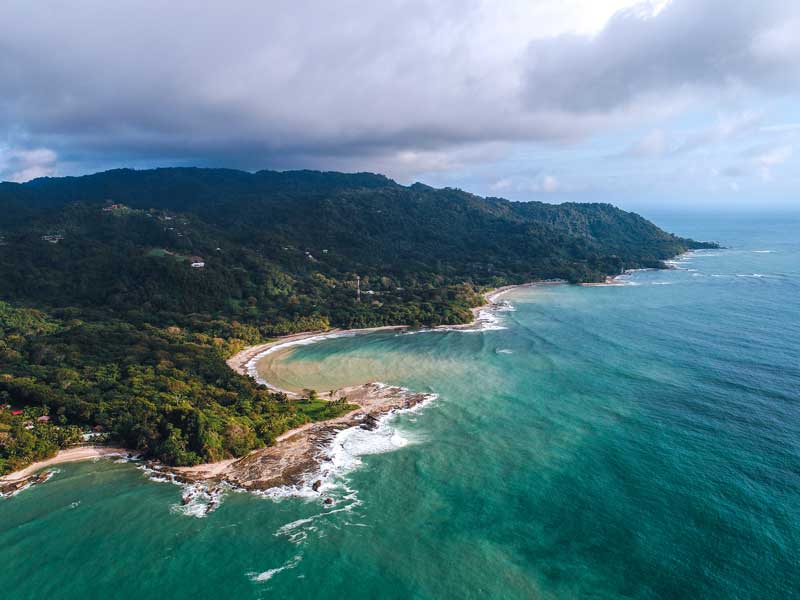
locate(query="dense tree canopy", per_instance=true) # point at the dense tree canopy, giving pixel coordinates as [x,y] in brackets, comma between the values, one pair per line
[124,291]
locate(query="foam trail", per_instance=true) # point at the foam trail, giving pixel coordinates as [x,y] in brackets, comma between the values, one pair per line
[270,573]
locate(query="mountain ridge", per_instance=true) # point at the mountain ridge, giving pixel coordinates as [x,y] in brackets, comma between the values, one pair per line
[122,293]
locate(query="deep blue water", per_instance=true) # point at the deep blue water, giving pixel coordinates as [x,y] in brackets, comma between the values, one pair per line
[640,441]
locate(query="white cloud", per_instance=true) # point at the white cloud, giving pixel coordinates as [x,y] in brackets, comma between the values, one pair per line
[24,165]
[760,162]
[774,156]
[549,184]
[765,161]
[505,183]
[652,145]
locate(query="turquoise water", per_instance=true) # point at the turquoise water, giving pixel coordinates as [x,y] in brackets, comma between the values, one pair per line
[640,441]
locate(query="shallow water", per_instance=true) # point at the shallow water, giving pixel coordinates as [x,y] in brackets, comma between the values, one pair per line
[640,441]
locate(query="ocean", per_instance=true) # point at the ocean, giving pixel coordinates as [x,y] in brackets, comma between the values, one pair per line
[632,441]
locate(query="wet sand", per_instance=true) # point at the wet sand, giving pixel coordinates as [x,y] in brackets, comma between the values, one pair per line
[15,481]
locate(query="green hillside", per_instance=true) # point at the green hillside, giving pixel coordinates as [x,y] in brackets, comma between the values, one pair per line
[124,291]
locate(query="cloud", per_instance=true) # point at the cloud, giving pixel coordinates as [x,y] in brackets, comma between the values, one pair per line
[24,165]
[652,145]
[689,47]
[727,127]
[760,161]
[403,87]
[549,184]
[528,184]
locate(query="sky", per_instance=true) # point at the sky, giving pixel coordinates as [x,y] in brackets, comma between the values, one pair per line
[654,105]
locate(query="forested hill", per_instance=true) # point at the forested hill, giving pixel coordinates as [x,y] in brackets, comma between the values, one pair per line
[279,246]
[122,293]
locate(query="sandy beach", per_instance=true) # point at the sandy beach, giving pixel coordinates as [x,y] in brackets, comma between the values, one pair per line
[296,452]
[14,481]
[241,361]
[301,450]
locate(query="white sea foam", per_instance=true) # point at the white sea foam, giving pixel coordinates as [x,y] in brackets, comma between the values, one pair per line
[343,455]
[487,319]
[270,573]
[763,251]
[47,476]
[504,351]
[197,499]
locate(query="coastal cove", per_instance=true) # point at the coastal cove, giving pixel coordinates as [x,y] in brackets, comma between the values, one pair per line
[298,452]
[618,441]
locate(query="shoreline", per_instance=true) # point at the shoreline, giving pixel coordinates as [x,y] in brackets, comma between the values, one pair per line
[299,455]
[243,362]
[301,451]
[297,452]
[16,481]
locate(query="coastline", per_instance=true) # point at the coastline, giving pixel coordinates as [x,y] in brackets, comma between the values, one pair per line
[243,362]
[300,452]
[16,481]
[297,453]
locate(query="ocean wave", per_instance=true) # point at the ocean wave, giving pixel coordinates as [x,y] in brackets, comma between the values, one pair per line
[343,455]
[298,531]
[485,320]
[763,251]
[270,573]
[31,482]
[197,499]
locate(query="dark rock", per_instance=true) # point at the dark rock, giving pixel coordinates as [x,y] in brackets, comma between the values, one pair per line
[317,485]
[369,423]
[328,501]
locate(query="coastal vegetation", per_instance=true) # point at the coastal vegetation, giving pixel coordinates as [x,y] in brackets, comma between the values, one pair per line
[124,292]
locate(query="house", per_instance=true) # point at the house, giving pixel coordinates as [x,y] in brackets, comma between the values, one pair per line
[113,207]
[197,262]
[43,419]
[16,413]
[53,238]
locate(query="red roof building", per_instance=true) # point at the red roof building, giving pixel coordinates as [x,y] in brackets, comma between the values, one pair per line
[16,412]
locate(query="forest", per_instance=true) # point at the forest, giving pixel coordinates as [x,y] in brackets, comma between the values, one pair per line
[122,293]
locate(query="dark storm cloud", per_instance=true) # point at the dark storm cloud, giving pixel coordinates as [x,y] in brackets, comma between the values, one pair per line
[690,46]
[302,83]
